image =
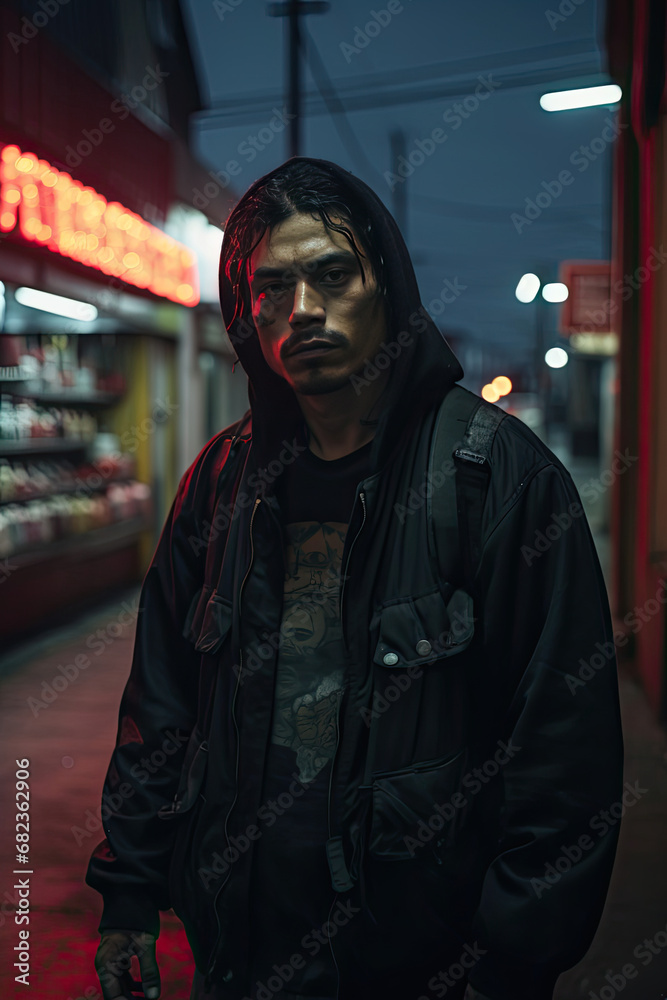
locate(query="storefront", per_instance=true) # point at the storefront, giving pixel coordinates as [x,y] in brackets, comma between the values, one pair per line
[97,306]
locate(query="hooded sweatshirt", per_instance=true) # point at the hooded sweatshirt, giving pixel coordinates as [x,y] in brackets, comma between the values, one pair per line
[466,819]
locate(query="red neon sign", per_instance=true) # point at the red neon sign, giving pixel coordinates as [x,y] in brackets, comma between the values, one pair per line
[59,212]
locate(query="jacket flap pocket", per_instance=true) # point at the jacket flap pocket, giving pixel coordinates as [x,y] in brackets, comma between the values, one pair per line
[195,615]
[423,629]
[416,806]
[208,620]
[216,623]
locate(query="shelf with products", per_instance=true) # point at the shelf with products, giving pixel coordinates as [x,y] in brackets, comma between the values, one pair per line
[42,504]
[53,390]
[26,478]
[70,398]
[41,446]
[74,369]
[95,542]
[63,478]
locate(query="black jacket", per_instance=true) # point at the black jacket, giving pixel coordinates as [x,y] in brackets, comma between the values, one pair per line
[467,785]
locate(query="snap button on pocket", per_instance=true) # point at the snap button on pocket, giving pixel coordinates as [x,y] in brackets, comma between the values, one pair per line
[424,629]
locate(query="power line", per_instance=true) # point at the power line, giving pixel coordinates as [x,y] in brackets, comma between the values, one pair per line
[336,110]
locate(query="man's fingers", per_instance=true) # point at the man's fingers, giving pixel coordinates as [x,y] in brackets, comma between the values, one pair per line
[113,963]
[150,973]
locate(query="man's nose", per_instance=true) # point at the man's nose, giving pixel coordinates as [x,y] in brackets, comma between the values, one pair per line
[307,306]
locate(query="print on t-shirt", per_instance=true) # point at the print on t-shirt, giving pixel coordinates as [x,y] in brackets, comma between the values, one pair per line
[310,672]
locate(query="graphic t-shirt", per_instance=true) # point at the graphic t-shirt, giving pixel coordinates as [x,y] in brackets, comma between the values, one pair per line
[291,888]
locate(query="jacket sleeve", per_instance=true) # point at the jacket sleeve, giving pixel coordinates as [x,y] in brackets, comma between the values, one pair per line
[549,683]
[157,714]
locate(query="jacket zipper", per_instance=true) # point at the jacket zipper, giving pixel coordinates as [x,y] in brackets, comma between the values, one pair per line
[211,969]
[362,497]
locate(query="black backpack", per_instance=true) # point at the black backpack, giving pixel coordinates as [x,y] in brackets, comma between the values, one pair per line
[463,437]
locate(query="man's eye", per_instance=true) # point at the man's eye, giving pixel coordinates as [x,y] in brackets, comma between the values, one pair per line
[275,289]
[336,275]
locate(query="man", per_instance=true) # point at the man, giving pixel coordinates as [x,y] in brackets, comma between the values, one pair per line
[343,781]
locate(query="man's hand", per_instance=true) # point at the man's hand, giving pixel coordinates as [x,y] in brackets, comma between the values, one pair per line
[113,963]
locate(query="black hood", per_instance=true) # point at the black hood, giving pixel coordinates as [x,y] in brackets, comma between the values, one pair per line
[424,368]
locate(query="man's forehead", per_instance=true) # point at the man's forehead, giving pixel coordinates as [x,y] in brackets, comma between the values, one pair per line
[297,242]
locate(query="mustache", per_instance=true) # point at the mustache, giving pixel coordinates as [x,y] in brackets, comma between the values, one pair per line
[333,337]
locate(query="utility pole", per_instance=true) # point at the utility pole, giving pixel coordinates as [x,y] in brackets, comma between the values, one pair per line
[293,10]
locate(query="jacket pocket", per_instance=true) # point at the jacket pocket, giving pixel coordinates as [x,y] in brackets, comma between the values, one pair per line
[415,806]
[420,630]
[208,620]
[186,817]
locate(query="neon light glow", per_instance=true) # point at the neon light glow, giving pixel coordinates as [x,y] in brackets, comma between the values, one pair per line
[54,210]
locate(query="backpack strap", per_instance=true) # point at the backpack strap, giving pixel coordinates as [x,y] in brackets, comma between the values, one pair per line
[463,437]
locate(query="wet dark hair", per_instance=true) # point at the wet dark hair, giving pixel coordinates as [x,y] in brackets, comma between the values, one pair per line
[294,188]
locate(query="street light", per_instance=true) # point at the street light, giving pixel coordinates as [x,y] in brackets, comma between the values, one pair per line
[528,287]
[583,97]
[527,290]
[556,357]
[555,291]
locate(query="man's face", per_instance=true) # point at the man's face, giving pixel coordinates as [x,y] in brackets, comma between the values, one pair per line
[318,323]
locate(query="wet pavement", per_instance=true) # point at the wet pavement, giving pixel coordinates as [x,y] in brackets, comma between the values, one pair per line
[68,740]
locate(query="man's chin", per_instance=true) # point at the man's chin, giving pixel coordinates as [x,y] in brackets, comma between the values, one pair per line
[319,383]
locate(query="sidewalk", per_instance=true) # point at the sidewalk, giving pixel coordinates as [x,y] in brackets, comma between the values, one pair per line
[69,742]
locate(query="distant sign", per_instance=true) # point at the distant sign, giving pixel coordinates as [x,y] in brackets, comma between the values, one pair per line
[588,307]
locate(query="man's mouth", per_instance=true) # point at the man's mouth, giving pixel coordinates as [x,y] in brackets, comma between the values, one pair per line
[311,348]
